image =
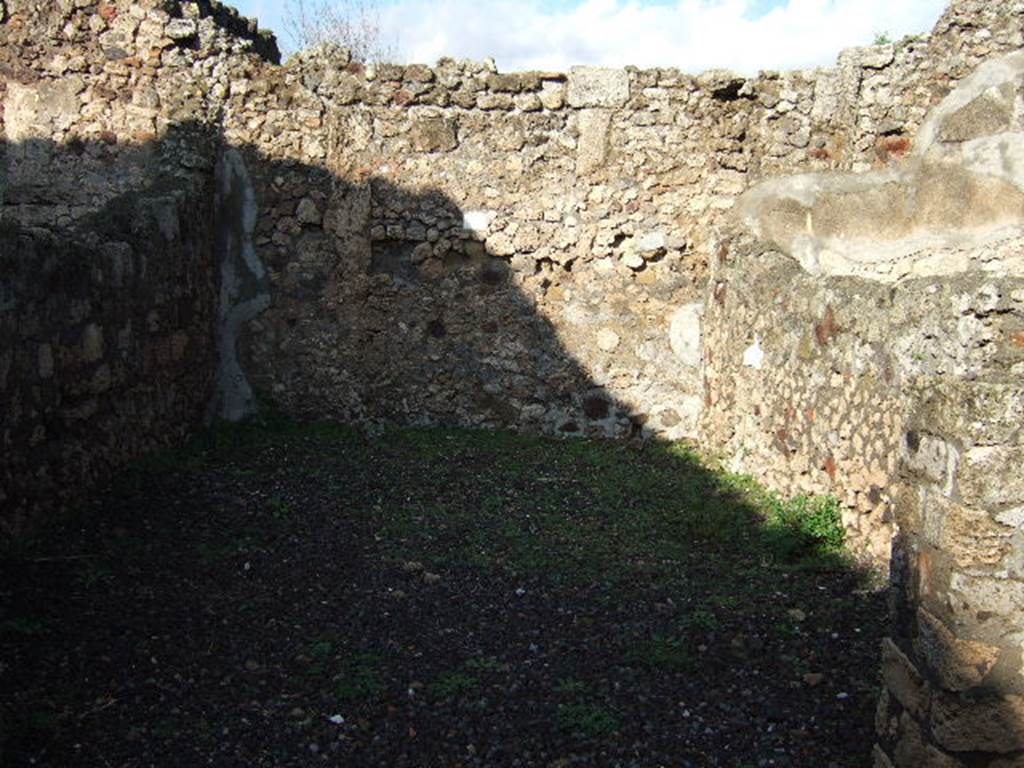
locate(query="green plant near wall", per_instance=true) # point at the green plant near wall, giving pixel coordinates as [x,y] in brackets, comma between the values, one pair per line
[804,528]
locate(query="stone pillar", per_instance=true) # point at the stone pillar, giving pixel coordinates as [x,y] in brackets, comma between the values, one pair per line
[954,689]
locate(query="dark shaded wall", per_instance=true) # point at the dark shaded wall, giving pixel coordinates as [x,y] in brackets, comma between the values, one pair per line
[106,346]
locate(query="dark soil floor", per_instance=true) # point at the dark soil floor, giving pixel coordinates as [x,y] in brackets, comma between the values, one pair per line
[306,596]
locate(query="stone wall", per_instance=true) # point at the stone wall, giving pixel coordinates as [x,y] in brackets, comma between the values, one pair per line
[454,244]
[108,289]
[184,223]
[105,346]
[874,334]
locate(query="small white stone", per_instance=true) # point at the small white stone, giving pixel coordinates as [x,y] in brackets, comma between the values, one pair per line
[633,260]
[608,340]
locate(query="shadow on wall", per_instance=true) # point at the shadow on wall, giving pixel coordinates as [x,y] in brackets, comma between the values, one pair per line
[111,325]
[110,334]
[387,308]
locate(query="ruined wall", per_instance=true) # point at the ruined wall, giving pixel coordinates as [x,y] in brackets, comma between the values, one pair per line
[108,281]
[183,223]
[450,243]
[105,348]
[870,328]
[810,358]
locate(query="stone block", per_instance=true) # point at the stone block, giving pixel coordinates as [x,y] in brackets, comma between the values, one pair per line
[971,536]
[552,95]
[592,146]
[685,334]
[990,476]
[968,724]
[980,412]
[93,346]
[958,664]
[988,114]
[181,30]
[902,678]
[986,600]
[932,458]
[881,760]
[598,87]
[433,134]
[912,749]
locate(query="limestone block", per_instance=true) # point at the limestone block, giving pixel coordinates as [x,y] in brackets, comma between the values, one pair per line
[989,113]
[990,476]
[308,212]
[1000,602]
[933,458]
[912,750]
[958,664]
[881,760]
[902,679]
[592,147]
[181,29]
[993,724]
[598,87]
[92,344]
[971,536]
[45,361]
[433,134]
[552,95]
[987,412]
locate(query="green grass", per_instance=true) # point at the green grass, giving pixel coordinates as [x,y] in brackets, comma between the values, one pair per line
[360,678]
[452,684]
[804,530]
[587,718]
[23,627]
[568,510]
[571,686]
[671,654]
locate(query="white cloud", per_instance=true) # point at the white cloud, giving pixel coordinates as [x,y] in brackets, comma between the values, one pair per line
[693,35]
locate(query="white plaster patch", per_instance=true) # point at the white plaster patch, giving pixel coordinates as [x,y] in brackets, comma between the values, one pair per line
[478,222]
[753,356]
[685,333]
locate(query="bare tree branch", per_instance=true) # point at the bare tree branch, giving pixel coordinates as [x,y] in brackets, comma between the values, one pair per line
[351,24]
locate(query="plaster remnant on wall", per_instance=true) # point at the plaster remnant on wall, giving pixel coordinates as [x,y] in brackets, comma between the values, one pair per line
[598,87]
[478,222]
[753,356]
[686,335]
[962,188]
[244,290]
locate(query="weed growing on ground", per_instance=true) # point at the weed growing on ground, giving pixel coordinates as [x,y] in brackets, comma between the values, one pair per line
[590,719]
[668,653]
[452,684]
